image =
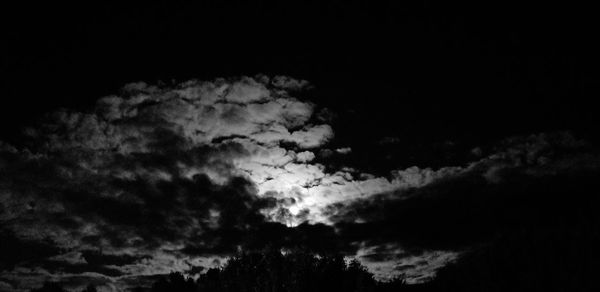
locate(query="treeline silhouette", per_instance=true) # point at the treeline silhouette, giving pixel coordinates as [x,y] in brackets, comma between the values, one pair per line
[271,271]
[540,259]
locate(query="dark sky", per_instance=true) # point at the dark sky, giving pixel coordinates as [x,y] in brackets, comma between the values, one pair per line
[454,63]
[407,108]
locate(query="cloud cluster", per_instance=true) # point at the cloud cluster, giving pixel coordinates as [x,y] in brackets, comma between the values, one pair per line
[536,181]
[179,172]
[163,178]
[157,172]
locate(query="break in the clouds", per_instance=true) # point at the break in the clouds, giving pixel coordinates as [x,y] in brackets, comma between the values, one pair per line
[163,178]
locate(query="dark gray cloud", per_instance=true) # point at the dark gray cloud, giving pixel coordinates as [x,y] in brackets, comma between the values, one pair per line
[537,181]
[16,250]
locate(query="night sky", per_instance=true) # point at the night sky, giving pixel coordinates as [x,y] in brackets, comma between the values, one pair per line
[140,139]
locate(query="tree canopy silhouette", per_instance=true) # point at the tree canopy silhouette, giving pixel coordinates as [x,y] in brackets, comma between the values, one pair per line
[270,270]
[275,271]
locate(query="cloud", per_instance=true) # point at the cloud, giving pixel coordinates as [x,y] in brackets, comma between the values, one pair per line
[538,182]
[344,150]
[16,250]
[414,177]
[180,176]
[196,112]
[289,83]
[305,156]
[155,172]
[162,175]
[388,260]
